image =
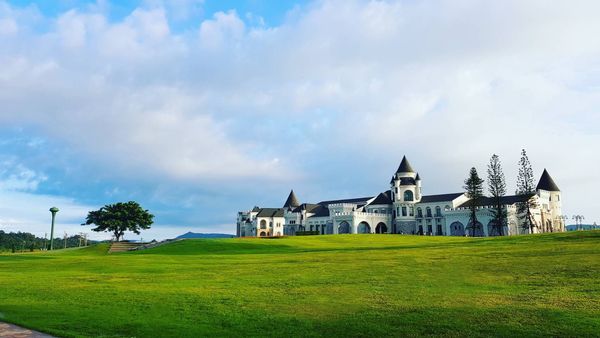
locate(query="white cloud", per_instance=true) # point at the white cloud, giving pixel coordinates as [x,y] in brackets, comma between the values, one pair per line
[449,82]
[17,177]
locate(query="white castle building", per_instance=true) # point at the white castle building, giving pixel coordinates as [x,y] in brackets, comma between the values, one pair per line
[403,210]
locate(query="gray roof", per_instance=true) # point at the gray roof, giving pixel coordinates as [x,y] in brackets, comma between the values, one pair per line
[440,198]
[270,212]
[320,211]
[504,200]
[291,201]
[382,198]
[546,183]
[305,206]
[361,200]
[404,166]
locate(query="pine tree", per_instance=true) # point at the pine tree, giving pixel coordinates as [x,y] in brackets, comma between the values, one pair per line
[497,189]
[474,189]
[526,190]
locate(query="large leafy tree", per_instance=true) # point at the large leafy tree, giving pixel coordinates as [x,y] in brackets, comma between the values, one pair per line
[497,189]
[526,190]
[474,189]
[119,218]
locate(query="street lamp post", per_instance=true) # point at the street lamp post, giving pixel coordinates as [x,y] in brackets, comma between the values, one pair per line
[53,210]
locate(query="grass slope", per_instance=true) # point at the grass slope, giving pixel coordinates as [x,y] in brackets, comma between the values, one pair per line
[344,285]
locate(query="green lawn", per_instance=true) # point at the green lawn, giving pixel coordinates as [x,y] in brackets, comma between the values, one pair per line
[344,285]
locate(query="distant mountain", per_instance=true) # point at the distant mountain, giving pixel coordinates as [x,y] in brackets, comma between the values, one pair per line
[201,235]
[573,227]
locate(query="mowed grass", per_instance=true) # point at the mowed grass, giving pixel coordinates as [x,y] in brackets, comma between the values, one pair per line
[344,285]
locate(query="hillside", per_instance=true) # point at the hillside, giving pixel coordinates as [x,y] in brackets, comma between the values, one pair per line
[341,285]
[190,235]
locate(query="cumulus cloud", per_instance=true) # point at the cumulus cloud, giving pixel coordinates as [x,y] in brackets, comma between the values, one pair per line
[339,83]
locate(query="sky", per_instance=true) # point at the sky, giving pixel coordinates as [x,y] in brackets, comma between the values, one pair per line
[198,109]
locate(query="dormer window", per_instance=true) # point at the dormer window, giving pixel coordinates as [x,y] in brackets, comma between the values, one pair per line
[408,195]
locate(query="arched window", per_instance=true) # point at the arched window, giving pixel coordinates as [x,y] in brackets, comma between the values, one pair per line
[438,211]
[263,224]
[428,211]
[419,212]
[408,195]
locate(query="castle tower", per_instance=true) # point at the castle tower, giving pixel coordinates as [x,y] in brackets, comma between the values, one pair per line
[406,192]
[292,201]
[550,200]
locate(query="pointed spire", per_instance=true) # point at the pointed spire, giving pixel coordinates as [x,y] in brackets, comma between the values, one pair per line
[546,183]
[404,166]
[291,201]
[418,178]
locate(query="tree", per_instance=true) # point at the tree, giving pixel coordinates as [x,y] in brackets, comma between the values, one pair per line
[474,189]
[119,218]
[526,191]
[497,189]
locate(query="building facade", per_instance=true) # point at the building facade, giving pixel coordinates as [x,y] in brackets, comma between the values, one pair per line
[403,209]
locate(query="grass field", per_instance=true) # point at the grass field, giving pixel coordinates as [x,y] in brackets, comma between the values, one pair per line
[344,285]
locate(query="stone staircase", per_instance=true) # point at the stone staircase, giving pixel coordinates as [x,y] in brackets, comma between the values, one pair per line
[123,246]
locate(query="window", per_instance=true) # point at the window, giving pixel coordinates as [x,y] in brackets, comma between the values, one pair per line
[438,211]
[408,195]
[412,211]
[419,212]
[403,211]
[428,211]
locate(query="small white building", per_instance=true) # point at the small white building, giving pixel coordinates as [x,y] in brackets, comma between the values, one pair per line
[404,210]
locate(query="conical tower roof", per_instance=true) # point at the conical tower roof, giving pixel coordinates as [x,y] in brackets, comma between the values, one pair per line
[547,183]
[291,201]
[404,166]
[418,178]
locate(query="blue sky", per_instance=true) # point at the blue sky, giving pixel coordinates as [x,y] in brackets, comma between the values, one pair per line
[198,109]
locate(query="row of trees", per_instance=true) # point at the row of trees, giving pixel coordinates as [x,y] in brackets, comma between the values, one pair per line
[496,185]
[24,241]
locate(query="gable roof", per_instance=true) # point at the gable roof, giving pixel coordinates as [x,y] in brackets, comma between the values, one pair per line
[270,212]
[440,198]
[404,166]
[382,198]
[291,201]
[305,206]
[360,200]
[546,183]
[320,211]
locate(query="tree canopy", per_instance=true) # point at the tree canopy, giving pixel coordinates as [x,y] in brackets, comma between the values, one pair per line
[526,190]
[119,218]
[474,189]
[497,189]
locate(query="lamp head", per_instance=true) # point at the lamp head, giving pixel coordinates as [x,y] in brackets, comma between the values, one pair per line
[54,210]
